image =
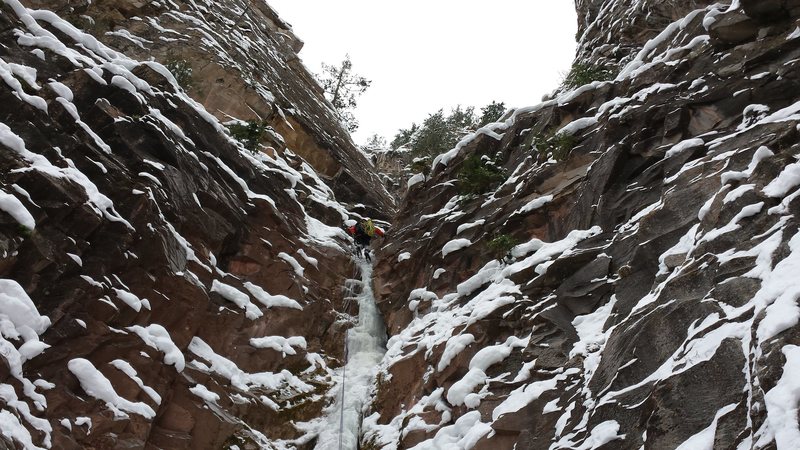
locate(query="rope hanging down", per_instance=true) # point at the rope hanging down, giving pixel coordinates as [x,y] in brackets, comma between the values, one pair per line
[344,373]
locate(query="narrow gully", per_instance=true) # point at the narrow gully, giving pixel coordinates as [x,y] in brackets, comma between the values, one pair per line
[365,347]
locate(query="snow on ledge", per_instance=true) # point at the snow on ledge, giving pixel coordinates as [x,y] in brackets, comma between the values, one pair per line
[98,386]
[237,297]
[455,245]
[158,338]
[11,205]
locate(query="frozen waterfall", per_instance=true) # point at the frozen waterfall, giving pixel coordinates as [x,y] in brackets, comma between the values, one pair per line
[366,344]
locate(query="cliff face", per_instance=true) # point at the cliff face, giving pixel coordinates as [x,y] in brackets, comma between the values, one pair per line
[651,299]
[244,65]
[160,285]
[631,282]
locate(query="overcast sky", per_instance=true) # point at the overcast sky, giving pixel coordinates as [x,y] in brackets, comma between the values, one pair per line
[422,55]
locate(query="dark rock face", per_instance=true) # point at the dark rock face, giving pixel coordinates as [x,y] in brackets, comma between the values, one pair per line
[612,31]
[160,286]
[649,300]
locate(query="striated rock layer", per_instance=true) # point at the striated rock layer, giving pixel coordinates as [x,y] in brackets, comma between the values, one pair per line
[160,285]
[652,297]
[243,64]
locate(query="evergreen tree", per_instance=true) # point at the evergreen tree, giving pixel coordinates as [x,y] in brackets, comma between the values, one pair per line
[433,136]
[403,136]
[342,88]
[438,133]
[492,113]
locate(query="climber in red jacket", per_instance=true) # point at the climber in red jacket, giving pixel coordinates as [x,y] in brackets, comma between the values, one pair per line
[362,233]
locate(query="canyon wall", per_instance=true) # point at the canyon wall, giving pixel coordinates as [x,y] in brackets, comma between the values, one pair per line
[161,286]
[630,283]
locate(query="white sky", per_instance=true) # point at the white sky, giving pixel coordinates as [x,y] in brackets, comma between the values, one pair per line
[422,55]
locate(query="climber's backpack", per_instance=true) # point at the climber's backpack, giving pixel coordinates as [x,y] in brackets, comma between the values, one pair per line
[369,228]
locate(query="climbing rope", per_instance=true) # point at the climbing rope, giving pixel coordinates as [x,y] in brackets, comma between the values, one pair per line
[344,373]
[348,295]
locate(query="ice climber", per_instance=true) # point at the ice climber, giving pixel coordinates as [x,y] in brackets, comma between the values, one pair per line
[362,233]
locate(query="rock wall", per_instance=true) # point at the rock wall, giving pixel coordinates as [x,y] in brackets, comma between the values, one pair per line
[160,285]
[651,298]
[244,65]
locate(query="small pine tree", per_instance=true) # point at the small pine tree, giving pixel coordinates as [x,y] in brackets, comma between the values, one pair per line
[581,74]
[249,133]
[403,136]
[478,174]
[492,113]
[342,88]
[181,70]
[501,245]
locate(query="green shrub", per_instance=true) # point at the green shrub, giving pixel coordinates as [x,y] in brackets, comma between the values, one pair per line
[181,70]
[558,145]
[491,113]
[502,244]
[478,174]
[248,133]
[24,231]
[581,74]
